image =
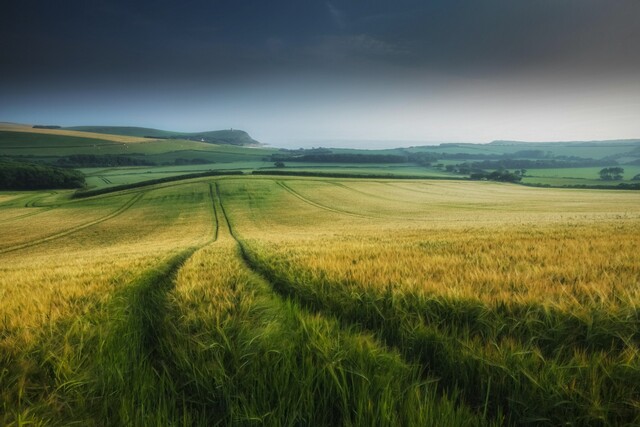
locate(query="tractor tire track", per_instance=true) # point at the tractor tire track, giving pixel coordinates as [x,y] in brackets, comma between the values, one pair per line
[437,352]
[32,202]
[134,354]
[72,230]
[26,215]
[308,304]
[373,196]
[319,205]
[215,213]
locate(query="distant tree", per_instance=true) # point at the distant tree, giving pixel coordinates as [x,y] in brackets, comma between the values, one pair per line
[279,164]
[636,178]
[611,174]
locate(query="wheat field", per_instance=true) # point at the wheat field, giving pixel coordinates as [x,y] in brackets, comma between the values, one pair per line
[306,301]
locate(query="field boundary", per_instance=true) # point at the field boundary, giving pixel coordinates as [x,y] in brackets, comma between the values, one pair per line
[355,175]
[89,193]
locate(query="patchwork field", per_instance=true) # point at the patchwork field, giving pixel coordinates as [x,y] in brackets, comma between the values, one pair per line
[308,301]
[108,160]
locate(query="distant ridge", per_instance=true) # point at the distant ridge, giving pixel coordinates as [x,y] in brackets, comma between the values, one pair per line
[585,143]
[227,136]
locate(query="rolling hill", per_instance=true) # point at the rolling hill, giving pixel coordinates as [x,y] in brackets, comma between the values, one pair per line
[227,136]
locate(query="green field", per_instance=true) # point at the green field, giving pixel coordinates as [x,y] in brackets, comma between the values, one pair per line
[313,301]
[557,164]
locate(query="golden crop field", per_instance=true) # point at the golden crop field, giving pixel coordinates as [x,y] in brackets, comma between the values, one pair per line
[307,301]
[14,127]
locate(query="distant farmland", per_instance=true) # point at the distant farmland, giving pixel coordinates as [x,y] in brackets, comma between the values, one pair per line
[126,157]
[317,301]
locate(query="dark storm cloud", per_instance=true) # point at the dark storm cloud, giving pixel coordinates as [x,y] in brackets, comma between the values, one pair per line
[225,39]
[142,38]
[287,70]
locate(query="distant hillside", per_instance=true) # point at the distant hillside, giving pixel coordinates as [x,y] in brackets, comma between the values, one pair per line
[585,143]
[123,130]
[229,136]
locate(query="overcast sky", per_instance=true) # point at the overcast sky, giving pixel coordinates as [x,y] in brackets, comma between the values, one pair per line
[301,72]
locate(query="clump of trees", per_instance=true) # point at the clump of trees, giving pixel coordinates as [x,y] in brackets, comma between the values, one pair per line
[31,176]
[611,174]
[499,175]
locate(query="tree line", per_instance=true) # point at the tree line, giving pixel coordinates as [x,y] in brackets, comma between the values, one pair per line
[340,158]
[31,176]
[106,160]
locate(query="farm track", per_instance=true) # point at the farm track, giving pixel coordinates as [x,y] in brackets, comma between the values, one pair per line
[138,362]
[26,215]
[373,196]
[319,205]
[72,230]
[336,210]
[30,199]
[450,357]
[250,264]
[143,361]
[283,296]
[453,358]
[216,221]
[32,202]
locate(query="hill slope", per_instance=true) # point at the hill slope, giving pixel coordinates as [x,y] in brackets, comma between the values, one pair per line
[227,136]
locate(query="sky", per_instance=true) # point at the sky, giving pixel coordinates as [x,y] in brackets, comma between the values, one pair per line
[362,73]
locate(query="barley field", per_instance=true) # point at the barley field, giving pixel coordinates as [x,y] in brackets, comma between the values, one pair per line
[307,301]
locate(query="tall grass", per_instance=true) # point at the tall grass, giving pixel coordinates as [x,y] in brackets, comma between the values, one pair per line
[543,365]
[55,295]
[538,322]
[344,303]
[241,355]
